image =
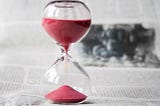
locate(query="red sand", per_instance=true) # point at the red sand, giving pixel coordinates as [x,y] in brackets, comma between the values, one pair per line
[65,94]
[66,32]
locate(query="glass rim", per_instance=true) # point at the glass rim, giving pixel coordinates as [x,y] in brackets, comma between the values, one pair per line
[73,1]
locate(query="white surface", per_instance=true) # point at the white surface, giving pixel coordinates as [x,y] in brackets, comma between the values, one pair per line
[110,86]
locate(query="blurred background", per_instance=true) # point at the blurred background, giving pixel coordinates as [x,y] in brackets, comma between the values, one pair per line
[127,32]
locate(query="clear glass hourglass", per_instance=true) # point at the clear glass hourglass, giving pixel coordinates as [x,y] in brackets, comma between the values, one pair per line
[67,21]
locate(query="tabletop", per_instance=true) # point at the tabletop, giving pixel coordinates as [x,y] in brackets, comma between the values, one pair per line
[110,86]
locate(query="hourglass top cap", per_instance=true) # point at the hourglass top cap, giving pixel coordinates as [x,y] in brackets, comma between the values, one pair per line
[66,9]
[73,1]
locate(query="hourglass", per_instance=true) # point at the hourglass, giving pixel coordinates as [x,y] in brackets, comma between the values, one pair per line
[67,21]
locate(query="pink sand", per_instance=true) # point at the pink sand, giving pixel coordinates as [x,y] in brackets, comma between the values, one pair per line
[65,94]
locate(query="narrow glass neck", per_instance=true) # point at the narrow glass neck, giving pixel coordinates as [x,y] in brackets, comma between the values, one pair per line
[65,50]
[66,55]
